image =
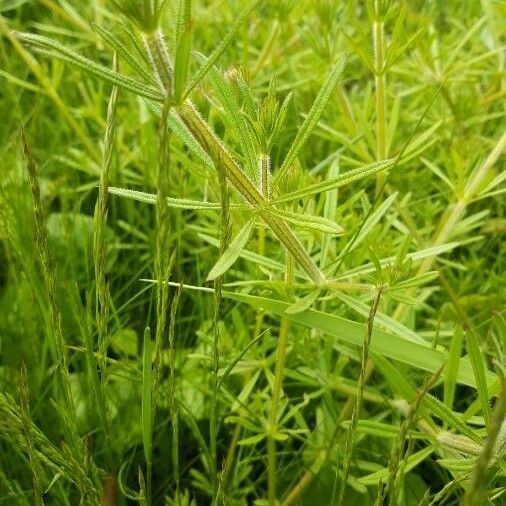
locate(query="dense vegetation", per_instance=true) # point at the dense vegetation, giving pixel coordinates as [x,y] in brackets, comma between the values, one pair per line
[252,252]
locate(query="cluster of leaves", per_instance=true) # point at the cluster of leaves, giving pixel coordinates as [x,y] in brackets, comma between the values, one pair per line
[333,169]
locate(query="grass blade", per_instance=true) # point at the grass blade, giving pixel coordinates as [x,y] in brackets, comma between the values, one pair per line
[311,120]
[232,253]
[147,404]
[337,182]
[452,366]
[480,375]
[383,343]
[92,67]
[183,48]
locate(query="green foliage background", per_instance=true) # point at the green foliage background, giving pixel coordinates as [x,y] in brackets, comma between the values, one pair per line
[247,396]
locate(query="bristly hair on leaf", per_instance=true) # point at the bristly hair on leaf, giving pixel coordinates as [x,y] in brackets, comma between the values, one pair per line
[145,14]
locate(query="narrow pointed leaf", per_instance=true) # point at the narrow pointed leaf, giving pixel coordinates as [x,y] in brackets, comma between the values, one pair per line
[416,256]
[267,263]
[452,366]
[382,319]
[232,252]
[308,221]
[92,67]
[411,462]
[476,358]
[303,304]
[372,220]
[125,53]
[222,46]
[341,180]
[238,120]
[312,118]
[183,48]
[177,203]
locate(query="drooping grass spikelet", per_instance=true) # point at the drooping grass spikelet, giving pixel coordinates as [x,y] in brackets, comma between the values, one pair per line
[102,295]
[62,461]
[50,283]
[163,256]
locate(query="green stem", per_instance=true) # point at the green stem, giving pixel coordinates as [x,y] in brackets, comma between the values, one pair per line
[218,283]
[380,86]
[220,155]
[277,390]
[358,401]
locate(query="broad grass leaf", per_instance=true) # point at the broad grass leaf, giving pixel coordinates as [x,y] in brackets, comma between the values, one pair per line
[383,343]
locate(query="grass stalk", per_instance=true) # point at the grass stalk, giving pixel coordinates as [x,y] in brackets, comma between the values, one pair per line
[379,50]
[33,457]
[277,389]
[225,232]
[173,407]
[162,254]
[348,450]
[147,409]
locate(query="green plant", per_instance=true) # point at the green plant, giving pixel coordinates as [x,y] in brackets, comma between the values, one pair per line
[303,200]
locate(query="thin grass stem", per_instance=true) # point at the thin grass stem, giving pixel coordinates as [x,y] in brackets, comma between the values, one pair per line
[277,389]
[358,400]
[225,234]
